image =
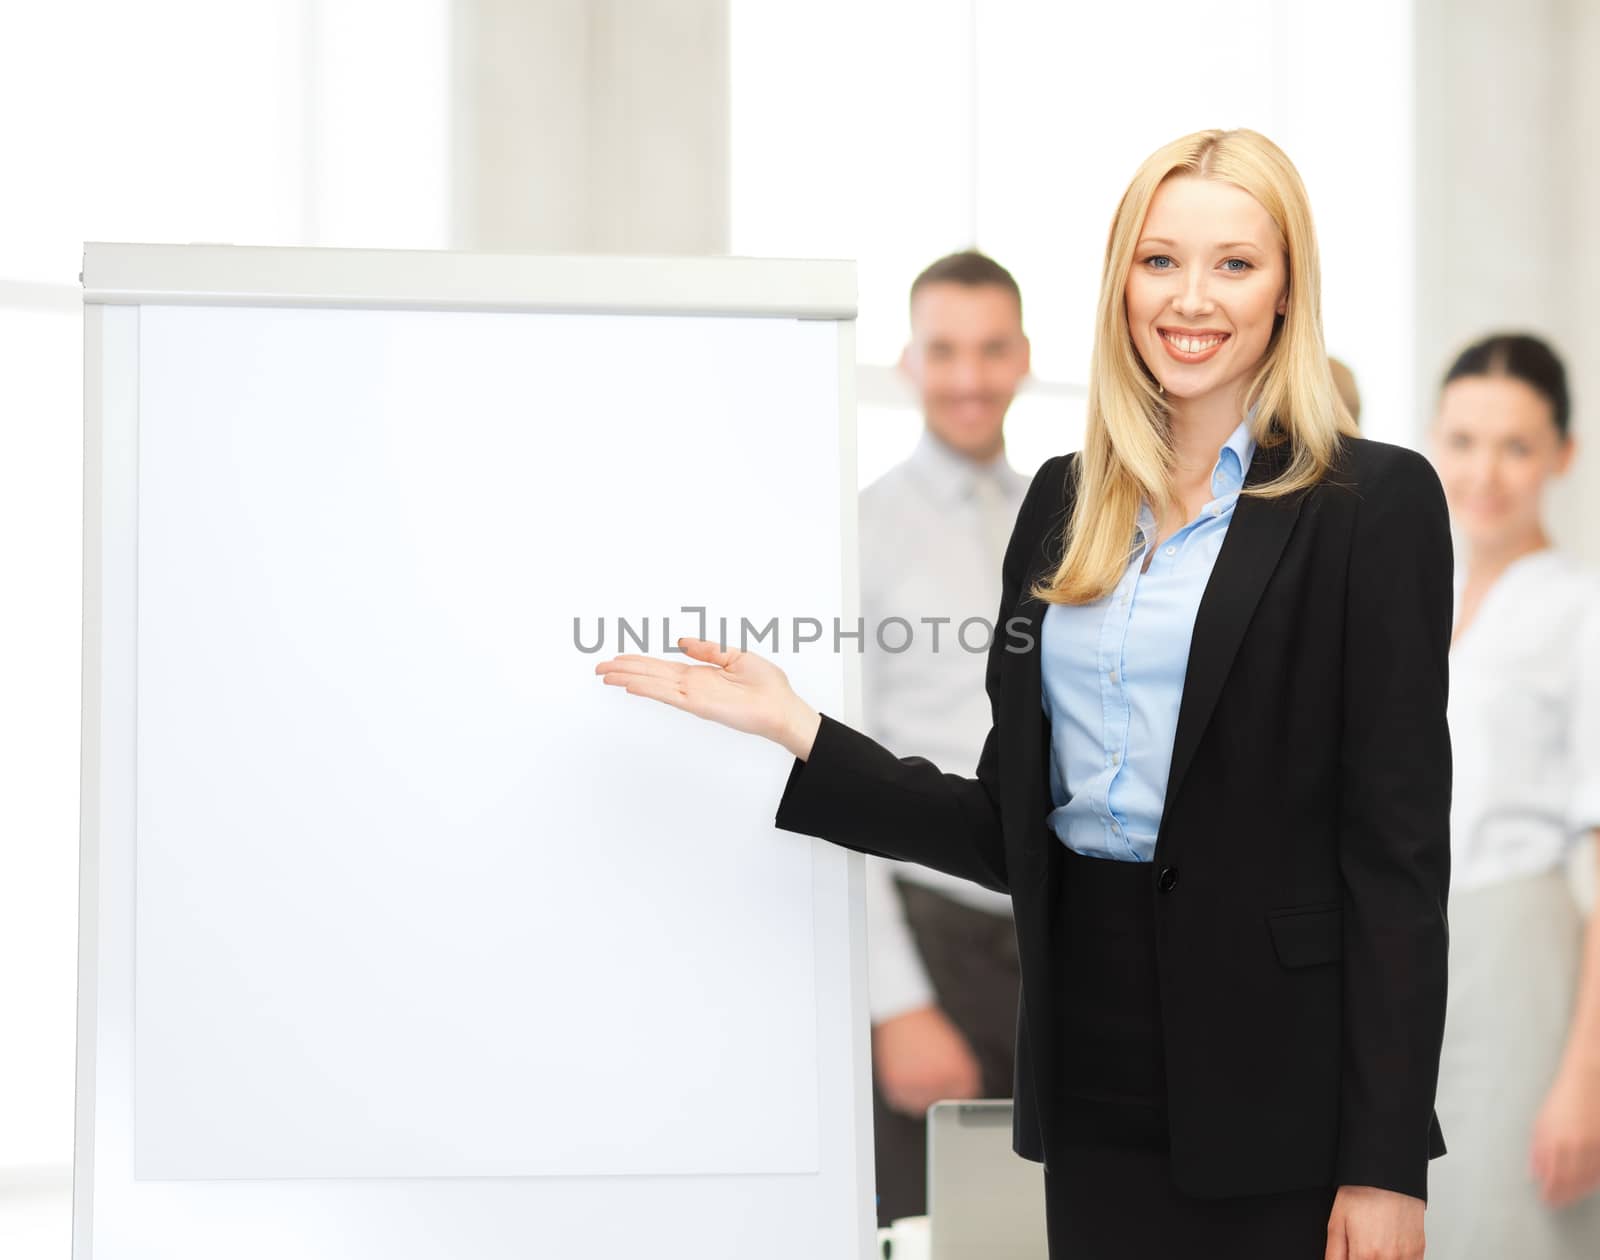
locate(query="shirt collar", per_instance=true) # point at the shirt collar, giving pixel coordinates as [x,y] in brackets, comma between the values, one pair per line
[1227,474]
[1233,460]
[951,474]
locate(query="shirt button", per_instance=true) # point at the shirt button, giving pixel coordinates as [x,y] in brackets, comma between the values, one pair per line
[1172,551]
[1215,509]
[1113,675]
[1116,759]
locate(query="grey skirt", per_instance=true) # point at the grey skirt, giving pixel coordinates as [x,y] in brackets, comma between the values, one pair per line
[1515,952]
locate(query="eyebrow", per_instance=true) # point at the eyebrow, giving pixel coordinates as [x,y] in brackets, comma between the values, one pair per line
[1161,240]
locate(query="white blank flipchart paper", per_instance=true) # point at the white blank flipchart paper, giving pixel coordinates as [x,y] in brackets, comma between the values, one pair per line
[418,895]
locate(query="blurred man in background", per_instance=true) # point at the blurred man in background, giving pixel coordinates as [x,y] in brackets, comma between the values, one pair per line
[942,951]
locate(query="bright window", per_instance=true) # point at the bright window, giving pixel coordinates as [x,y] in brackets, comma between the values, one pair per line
[254,122]
[897,131]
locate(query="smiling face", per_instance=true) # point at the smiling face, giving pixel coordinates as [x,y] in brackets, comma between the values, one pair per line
[1206,285]
[1496,447]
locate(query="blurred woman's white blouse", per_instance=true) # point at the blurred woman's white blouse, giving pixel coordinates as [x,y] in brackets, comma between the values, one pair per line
[1525,721]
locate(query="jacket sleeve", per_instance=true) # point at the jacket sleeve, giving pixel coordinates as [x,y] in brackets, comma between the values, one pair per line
[1394,825]
[855,792]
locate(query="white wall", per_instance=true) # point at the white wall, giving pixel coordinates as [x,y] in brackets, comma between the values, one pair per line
[1508,193]
[595,126]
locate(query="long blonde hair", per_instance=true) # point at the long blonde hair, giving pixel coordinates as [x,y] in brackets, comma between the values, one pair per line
[1127,449]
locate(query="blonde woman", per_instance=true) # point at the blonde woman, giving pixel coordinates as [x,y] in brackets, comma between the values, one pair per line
[1217,783]
[1519,1083]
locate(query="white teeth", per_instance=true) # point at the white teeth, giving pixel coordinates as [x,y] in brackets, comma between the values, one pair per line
[1192,345]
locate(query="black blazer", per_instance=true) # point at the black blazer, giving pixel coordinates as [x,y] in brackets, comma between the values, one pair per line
[1303,850]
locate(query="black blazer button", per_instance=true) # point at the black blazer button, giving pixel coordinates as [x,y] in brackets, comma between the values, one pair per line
[1168,879]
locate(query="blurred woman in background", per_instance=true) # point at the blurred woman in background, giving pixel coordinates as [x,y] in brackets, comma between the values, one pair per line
[1519,1085]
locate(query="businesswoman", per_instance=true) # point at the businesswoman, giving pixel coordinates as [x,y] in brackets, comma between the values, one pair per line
[1519,1082]
[1217,783]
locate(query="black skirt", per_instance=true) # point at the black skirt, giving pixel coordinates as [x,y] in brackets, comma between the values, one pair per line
[1109,1193]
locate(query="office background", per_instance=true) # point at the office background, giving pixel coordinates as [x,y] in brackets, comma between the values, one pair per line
[1448,149]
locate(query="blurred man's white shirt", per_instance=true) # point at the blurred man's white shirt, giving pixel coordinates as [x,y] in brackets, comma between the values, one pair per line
[933,532]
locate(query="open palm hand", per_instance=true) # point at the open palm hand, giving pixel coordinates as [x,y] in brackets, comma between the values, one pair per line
[734,688]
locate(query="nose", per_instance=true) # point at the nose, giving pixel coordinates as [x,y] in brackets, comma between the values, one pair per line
[1483,471]
[1194,298]
[965,375]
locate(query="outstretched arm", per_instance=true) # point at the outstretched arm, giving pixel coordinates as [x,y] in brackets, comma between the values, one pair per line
[843,786]
[851,790]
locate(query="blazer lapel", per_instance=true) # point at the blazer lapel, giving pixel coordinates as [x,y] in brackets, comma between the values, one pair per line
[1250,551]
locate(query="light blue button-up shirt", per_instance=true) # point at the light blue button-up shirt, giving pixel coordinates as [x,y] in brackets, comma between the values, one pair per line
[1113,676]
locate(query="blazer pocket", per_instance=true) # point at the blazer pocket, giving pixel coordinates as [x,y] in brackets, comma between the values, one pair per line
[1305,936]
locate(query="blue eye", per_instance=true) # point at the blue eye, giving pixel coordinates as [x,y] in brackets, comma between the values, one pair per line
[1155,259]
[1243,265]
